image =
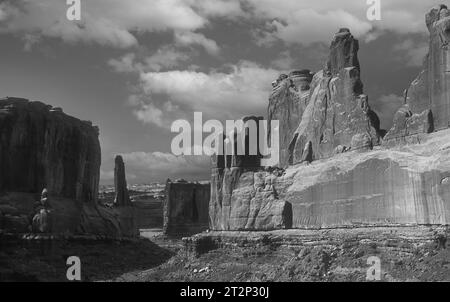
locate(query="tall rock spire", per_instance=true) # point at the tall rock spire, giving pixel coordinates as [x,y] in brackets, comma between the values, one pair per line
[427,100]
[337,116]
[343,52]
[120,183]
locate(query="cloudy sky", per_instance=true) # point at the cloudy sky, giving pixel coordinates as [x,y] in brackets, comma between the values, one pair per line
[133,67]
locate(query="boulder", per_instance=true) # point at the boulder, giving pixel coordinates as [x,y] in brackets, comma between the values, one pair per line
[42,222]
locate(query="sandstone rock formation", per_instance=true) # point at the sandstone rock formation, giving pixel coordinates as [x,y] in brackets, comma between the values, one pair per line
[399,186]
[242,199]
[42,219]
[427,100]
[42,147]
[337,171]
[287,103]
[252,208]
[186,208]
[337,115]
[120,183]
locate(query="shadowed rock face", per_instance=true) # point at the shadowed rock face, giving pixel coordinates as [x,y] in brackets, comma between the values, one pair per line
[337,116]
[186,208]
[120,183]
[40,146]
[427,100]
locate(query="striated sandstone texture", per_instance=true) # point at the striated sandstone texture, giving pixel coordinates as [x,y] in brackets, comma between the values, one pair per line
[339,170]
[287,103]
[186,208]
[398,186]
[427,100]
[42,147]
[403,185]
[337,116]
[244,203]
[245,200]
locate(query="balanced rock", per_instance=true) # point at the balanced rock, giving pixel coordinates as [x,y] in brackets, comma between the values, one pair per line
[42,219]
[120,184]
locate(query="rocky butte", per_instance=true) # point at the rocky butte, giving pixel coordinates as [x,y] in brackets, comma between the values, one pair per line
[337,167]
[42,147]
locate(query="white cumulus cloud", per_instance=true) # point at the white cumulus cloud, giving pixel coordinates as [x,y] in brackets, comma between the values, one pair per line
[221,95]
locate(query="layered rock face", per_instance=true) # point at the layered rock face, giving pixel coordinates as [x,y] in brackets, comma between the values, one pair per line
[242,199]
[41,147]
[287,103]
[244,203]
[186,208]
[402,185]
[120,183]
[338,116]
[405,185]
[427,100]
[340,172]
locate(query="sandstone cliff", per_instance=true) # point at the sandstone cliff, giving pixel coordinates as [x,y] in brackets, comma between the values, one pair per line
[427,100]
[339,171]
[185,208]
[405,185]
[42,147]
